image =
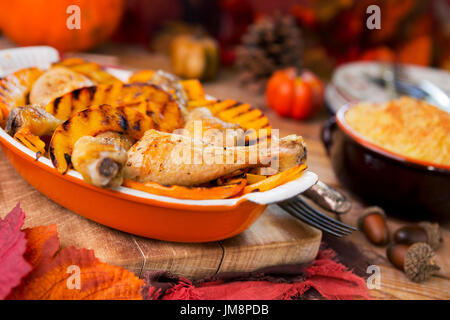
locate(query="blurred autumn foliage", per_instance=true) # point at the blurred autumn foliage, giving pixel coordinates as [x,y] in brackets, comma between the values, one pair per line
[412,31]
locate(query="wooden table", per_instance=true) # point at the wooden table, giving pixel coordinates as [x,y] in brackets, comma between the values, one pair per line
[394,284]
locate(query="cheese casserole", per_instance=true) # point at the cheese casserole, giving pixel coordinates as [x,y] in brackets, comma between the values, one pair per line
[406,126]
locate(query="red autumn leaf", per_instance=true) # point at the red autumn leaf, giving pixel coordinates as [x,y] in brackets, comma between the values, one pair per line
[54,273]
[13,266]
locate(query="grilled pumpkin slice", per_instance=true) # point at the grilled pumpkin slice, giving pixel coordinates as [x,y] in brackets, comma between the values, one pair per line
[248,117]
[141,76]
[276,180]
[91,122]
[160,104]
[194,193]
[91,70]
[167,117]
[194,89]
[15,88]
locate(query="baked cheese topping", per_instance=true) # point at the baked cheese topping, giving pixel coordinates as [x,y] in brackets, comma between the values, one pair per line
[405,126]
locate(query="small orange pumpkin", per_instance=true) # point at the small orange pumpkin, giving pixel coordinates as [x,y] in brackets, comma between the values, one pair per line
[293,95]
[43,22]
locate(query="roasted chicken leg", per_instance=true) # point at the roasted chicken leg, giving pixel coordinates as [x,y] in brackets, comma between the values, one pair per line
[173,159]
[200,121]
[101,159]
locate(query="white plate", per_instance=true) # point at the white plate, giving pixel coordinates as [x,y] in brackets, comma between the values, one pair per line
[350,85]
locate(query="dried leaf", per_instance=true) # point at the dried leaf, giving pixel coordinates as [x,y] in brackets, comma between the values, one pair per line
[42,242]
[54,274]
[13,266]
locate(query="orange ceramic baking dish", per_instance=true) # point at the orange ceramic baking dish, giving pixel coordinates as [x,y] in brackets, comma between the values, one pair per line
[145,214]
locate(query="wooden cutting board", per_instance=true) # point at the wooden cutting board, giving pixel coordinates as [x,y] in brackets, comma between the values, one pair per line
[276,237]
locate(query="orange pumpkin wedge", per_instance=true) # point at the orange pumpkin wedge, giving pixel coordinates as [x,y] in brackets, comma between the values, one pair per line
[14,90]
[31,141]
[193,193]
[141,76]
[254,178]
[91,70]
[117,94]
[194,89]
[90,122]
[276,180]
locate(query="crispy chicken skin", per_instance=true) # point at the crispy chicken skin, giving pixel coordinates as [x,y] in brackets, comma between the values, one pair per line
[101,159]
[54,83]
[173,159]
[192,158]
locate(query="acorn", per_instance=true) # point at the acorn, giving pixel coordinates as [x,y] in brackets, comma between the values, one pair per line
[372,223]
[422,232]
[396,254]
[417,260]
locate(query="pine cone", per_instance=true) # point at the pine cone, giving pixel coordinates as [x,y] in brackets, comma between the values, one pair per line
[272,43]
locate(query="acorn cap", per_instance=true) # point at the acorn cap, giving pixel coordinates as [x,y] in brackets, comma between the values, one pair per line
[419,262]
[368,211]
[434,236]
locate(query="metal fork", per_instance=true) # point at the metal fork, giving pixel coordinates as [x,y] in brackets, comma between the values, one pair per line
[300,209]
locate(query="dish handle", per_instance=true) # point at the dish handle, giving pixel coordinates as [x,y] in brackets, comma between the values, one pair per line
[328,198]
[326,135]
[286,191]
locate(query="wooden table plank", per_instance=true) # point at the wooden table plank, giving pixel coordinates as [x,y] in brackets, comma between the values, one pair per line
[275,234]
[188,259]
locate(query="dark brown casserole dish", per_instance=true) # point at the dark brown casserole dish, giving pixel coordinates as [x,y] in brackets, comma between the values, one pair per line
[405,185]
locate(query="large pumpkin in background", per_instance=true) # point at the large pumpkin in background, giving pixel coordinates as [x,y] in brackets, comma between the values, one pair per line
[44,22]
